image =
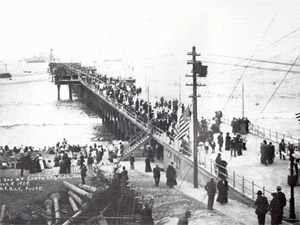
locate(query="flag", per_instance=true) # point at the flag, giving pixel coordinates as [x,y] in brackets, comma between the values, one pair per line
[182,127]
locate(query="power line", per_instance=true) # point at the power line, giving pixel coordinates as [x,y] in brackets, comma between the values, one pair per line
[250,61]
[255,60]
[248,66]
[278,87]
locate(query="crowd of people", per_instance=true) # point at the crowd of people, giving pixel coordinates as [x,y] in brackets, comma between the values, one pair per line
[240,125]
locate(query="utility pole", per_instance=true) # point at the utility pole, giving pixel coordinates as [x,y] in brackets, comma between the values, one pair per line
[200,71]
[243,110]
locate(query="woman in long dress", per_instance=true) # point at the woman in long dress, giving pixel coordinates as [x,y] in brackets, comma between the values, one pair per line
[171,176]
[147,165]
[223,191]
[41,162]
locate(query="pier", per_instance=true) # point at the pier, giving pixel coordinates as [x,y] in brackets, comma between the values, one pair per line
[126,125]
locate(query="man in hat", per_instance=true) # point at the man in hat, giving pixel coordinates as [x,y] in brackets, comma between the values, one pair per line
[275,210]
[83,170]
[262,205]
[184,219]
[220,141]
[156,175]
[282,202]
[211,189]
[132,160]
[282,149]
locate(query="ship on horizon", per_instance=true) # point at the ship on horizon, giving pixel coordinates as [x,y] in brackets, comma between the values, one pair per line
[42,58]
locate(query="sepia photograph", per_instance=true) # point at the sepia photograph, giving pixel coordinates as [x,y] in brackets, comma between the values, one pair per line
[149,112]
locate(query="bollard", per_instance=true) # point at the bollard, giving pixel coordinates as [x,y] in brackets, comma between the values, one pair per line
[75,197]
[55,197]
[2,215]
[49,205]
[73,204]
[77,190]
[87,187]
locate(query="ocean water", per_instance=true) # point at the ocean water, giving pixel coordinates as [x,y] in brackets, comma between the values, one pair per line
[31,115]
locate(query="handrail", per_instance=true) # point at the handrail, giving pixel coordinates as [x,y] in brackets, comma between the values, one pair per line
[263,132]
[237,180]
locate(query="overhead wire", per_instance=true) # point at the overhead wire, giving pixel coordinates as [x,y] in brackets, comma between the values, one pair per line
[277,88]
[250,60]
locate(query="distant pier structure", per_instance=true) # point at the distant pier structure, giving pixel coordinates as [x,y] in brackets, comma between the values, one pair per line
[63,76]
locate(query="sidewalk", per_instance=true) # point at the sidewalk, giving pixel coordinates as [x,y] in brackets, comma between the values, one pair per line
[233,209]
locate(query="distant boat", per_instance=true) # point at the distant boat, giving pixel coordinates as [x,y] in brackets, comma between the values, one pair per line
[36,60]
[26,71]
[5,75]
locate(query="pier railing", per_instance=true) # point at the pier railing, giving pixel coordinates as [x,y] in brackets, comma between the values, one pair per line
[236,181]
[257,130]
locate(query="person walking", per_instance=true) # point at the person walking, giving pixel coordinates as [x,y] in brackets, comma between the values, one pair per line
[223,191]
[183,220]
[220,141]
[171,176]
[156,175]
[147,164]
[262,206]
[282,202]
[211,189]
[90,162]
[263,152]
[217,163]
[132,160]
[271,153]
[227,141]
[275,210]
[83,170]
[282,149]
[22,164]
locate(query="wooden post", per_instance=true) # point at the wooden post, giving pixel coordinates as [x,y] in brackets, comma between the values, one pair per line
[49,204]
[252,189]
[87,187]
[77,190]
[3,211]
[233,179]
[58,92]
[70,92]
[55,197]
[75,197]
[73,204]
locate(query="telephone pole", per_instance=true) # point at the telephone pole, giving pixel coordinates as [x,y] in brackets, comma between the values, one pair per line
[198,71]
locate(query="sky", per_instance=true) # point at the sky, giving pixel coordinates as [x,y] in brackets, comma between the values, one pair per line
[150,39]
[133,29]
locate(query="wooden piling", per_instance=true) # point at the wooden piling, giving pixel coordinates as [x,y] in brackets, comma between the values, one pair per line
[77,190]
[75,197]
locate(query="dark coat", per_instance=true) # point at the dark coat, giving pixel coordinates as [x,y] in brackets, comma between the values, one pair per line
[262,205]
[83,171]
[223,191]
[227,142]
[211,188]
[282,199]
[148,166]
[220,140]
[146,216]
[171,176]
[156,172]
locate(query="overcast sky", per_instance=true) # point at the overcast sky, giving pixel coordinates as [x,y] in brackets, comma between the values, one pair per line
[136,29]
